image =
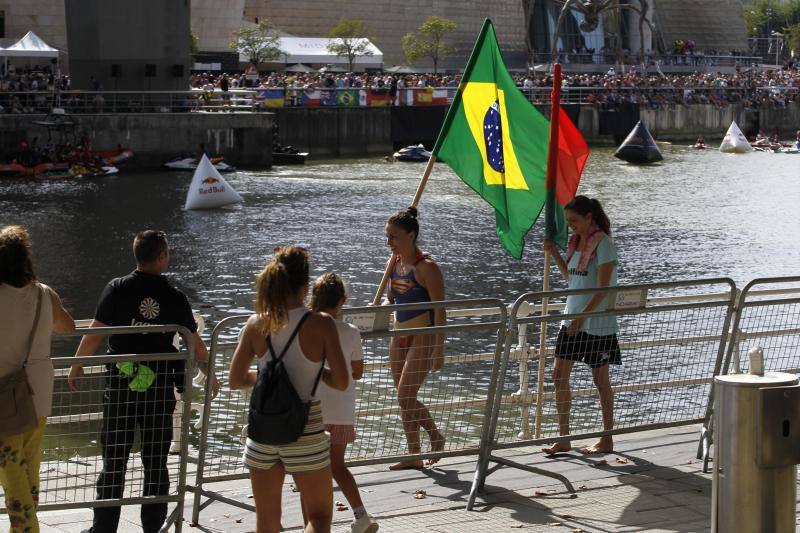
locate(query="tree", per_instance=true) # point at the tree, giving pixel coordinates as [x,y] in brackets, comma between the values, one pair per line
[429,41]
[260,43]
[350,39]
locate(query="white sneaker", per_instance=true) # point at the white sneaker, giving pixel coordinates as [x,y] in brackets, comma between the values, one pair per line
[365,524]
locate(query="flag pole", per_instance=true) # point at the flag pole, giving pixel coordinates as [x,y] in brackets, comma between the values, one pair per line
[552,171]
[390,265]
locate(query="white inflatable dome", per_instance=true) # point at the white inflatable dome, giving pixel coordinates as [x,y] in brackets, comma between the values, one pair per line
[208,189]
[735,142]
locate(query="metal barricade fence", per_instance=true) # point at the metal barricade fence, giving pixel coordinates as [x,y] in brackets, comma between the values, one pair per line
[672,339]
[82,423]
[767,315]
[457,396]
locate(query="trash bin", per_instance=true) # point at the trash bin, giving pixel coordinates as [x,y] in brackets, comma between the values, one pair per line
[757,420]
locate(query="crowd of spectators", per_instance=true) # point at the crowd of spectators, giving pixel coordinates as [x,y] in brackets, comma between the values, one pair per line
[750,87]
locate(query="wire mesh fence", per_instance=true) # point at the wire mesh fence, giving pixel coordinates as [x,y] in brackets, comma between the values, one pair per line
[768,317]
[437,413]
[107,443]
[647,362]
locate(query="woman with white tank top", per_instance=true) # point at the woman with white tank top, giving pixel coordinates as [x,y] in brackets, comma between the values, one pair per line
[20,297]
[310,340]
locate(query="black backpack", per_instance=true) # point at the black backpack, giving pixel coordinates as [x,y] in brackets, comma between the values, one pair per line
[277,414]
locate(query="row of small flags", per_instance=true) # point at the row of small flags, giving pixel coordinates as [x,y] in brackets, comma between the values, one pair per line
[278,97]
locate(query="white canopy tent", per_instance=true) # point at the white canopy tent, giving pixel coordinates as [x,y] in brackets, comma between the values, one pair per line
[31,45]
[314,50]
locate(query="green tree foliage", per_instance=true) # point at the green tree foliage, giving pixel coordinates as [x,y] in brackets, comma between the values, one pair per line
[428,42]
[193,43]
[260,43]
[764,16]
[350,39]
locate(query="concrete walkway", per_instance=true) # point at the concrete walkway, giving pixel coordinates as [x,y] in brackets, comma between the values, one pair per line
[652,483]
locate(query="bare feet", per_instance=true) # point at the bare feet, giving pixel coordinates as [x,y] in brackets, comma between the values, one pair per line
[408,465]
[437,445]
[604,445]
[558,447]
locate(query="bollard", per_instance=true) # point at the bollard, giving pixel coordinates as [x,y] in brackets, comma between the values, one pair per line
[757,416]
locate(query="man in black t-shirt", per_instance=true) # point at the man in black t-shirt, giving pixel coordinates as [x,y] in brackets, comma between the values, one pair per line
[139,394]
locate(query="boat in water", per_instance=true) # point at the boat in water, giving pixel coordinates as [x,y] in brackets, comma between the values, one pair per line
[190,163]
[285,158]
[414,154]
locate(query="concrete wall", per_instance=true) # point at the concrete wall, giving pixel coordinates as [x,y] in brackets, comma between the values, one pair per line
[44,17]
[131,34]
[244,139]
[214,21]
[786,120]
[336,132]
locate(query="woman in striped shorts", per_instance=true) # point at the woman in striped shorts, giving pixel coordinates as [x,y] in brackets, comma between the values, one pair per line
[282,317]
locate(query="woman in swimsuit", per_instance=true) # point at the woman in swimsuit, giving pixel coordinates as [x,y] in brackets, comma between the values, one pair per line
[415,278]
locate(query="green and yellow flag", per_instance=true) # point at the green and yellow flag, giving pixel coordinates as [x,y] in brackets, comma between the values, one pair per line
[496,141]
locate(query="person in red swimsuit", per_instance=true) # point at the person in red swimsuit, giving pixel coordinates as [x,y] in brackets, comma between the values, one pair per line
[415,278]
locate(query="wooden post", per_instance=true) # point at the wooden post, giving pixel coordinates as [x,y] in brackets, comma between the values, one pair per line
[550,204]
[390,265]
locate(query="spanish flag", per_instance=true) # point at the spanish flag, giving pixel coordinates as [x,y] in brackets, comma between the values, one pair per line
[497,142]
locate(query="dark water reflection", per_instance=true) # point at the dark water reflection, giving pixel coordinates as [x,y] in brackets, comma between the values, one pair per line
[699,214]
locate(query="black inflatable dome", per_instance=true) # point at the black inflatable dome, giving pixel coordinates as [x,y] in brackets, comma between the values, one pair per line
[639,147]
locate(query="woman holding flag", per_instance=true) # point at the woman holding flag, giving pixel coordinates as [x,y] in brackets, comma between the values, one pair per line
[415,277]
[591,262]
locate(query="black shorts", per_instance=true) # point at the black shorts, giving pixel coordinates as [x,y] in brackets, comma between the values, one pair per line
[594,350]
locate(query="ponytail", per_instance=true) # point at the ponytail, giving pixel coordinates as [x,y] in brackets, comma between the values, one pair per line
[600,218]
[284,276]
[584,205]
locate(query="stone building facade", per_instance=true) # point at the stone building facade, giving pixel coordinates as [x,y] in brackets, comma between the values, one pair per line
[391,19]
[46,18]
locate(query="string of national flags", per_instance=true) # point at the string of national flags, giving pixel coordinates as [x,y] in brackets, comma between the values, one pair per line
[361,97]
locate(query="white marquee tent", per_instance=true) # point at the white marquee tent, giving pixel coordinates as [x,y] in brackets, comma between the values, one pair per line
[30,46]
[314,50]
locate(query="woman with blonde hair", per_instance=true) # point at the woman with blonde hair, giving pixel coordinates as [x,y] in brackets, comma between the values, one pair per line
[30,312]
[307,344]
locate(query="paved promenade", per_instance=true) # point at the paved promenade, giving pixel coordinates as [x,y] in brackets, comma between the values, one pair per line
[652,483]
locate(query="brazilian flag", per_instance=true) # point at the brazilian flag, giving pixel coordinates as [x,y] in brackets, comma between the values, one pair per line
[347,98]
[496,141]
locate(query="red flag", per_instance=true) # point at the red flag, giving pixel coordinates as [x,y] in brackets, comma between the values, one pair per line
[572,155]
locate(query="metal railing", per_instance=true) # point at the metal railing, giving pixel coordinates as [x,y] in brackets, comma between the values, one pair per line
[457,397]
[72,448]
[97,102]
[670,351]
[767,315]
[494,392]
[265,99]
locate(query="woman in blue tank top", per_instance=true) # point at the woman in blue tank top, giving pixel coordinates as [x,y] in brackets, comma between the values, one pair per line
[415,278]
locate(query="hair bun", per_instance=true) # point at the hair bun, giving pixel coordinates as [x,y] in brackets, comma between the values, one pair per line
[412,212]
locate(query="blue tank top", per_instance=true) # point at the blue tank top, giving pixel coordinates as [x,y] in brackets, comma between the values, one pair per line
[405,290]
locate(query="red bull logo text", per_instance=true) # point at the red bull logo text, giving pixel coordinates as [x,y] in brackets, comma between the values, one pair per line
[212,188]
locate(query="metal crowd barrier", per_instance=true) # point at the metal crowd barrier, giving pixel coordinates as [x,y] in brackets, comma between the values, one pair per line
[672,338]
[71,448]
[767,315]
[458,397]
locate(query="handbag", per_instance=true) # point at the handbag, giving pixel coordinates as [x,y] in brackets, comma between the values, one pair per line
[17,412]
[277,414]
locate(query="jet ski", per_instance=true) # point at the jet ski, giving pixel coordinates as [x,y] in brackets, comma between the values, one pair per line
[416,154]
[190,163]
